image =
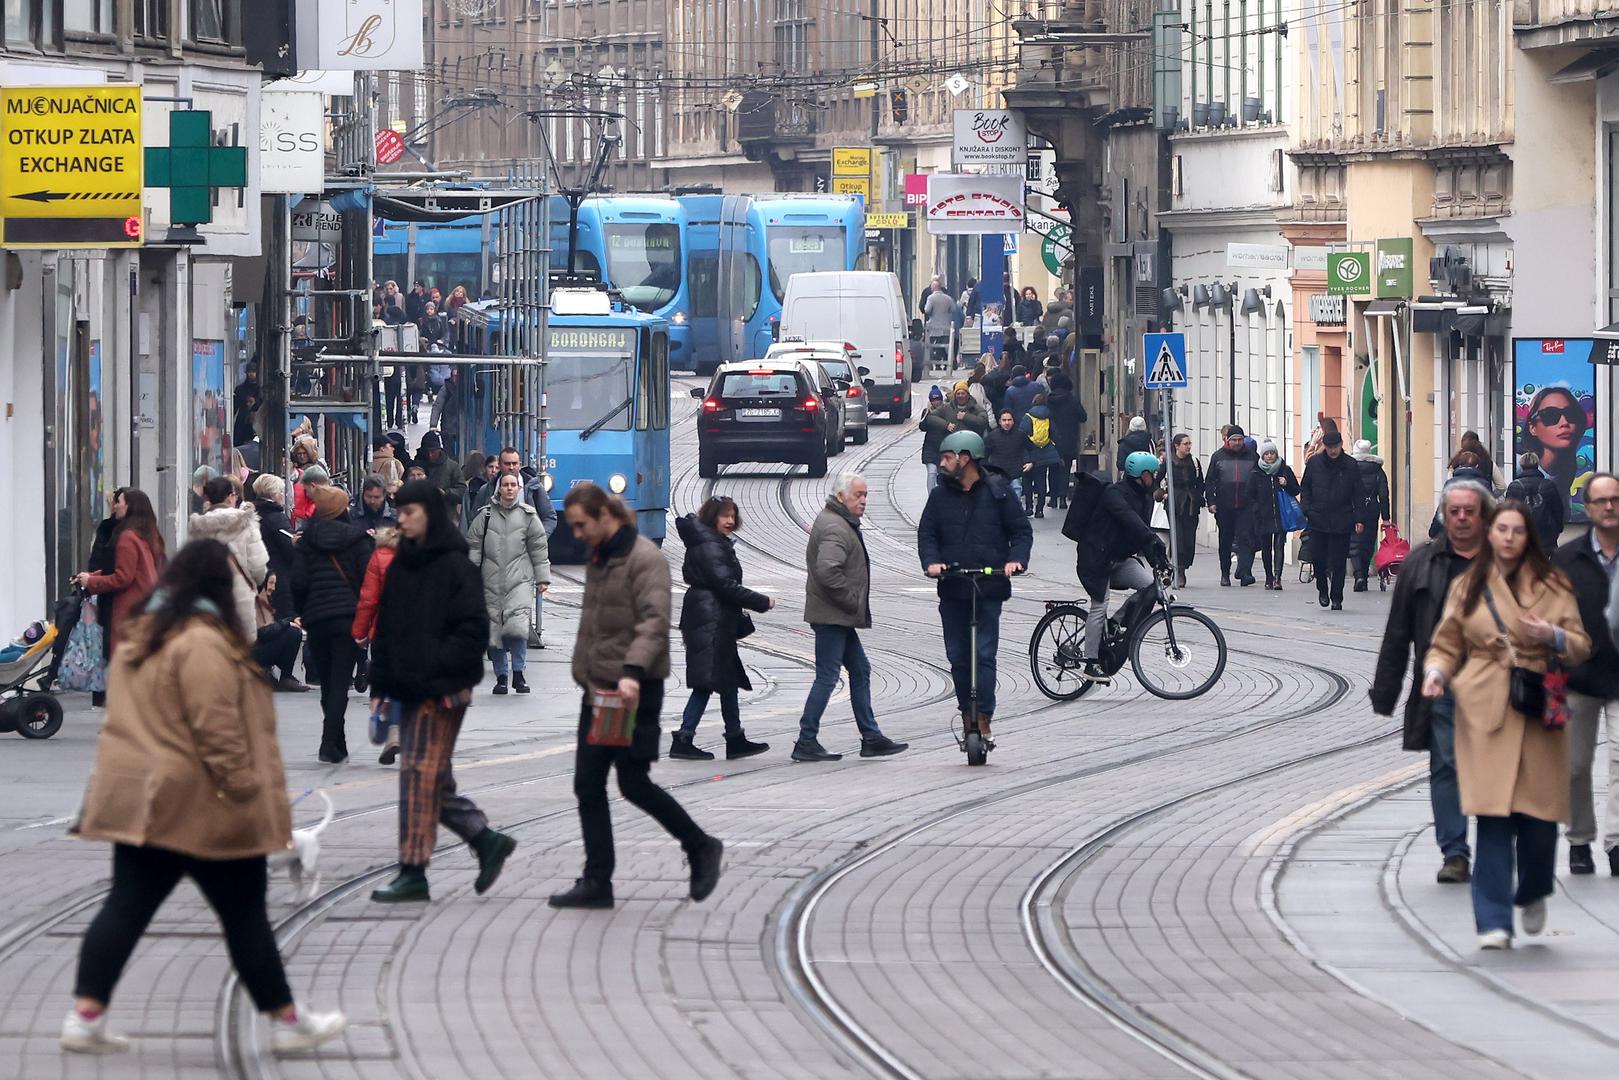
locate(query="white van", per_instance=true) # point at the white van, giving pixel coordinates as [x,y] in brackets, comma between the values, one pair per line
[862,307]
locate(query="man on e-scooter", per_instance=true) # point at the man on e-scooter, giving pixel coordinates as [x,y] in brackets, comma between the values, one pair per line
[972,519]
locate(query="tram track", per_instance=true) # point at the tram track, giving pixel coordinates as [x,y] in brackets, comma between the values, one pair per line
[795,964]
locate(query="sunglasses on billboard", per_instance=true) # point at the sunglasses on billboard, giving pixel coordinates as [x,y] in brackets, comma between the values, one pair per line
[1553,414]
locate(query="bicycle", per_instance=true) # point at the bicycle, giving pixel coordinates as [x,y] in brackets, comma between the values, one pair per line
[971,741]
[1176,651]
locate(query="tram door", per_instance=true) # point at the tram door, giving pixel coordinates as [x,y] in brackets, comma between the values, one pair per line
[739,279]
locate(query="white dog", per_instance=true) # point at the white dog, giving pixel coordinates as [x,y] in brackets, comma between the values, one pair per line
[302,857]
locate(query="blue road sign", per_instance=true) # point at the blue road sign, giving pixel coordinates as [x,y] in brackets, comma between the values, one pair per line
[1165,356]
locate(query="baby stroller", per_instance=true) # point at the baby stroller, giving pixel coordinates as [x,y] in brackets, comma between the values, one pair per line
[34,713]
[1391,553]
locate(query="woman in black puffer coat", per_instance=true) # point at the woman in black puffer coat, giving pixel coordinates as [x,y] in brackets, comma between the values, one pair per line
[712,619]
[326,579]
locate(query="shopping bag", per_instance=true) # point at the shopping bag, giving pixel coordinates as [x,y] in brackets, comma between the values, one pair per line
[1289,512]
[1392,550]
[84,665]
[612,720]
[1160,518]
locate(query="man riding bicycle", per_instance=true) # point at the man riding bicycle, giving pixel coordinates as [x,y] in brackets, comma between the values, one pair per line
[973,519]
[1115,540]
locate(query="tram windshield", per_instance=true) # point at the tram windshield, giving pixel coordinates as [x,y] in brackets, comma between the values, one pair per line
[643,262]
[584,385]
[799,249]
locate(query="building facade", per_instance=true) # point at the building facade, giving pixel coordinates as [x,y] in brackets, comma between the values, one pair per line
[118,364]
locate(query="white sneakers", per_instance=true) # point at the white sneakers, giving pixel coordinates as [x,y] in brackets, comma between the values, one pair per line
[1534,917]
[81,1036]
[309,1030]
[1495,939]
[305,1033]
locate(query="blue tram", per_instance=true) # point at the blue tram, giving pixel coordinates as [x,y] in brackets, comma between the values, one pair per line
[605,401]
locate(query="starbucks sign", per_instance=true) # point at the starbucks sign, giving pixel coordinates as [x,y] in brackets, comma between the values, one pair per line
[1055,247]
[1395,277]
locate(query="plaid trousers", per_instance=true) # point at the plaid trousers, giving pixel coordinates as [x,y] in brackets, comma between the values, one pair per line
[427,796]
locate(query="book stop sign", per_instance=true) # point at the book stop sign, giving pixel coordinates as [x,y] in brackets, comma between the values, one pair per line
[390,146]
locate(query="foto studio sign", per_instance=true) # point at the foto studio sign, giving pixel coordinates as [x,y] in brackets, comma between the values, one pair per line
[974,205]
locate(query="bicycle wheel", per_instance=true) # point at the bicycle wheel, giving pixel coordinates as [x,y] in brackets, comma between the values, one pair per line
[1055,653]
[1178,654]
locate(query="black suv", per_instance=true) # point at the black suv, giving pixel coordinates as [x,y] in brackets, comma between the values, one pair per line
[784,410]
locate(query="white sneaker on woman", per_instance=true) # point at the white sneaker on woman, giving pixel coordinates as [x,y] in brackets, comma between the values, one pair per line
[1534,917]
[1495,939]
[81,1036]
[308,1031]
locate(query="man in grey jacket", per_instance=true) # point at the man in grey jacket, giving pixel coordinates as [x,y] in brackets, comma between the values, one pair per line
[511,461]
[837,604]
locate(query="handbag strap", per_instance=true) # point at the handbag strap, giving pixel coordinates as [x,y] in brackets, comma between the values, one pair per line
[1489,602]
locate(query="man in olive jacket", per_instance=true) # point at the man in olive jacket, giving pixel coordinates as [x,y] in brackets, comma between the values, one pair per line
[837,603]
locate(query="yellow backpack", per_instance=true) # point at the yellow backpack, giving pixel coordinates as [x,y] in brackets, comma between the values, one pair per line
[1040,431]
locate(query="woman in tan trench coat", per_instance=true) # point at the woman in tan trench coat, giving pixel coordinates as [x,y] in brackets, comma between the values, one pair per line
[188,782]
[1513,769]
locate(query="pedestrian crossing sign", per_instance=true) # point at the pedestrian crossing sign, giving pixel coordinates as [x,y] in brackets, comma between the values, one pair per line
[1166,361]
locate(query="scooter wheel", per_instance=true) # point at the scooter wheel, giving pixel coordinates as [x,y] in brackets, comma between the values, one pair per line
[977,752]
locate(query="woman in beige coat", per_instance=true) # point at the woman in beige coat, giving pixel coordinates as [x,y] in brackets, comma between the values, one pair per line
[188,782]
[1512,768]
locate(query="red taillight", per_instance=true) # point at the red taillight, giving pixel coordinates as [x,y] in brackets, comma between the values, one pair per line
[810,404]
[854,391]
[710,405]
[899,361]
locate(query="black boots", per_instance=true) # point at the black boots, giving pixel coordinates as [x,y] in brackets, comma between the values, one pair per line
[410,884]
[681,749]
[500,684]
[585,894]
[740,746]
[492,849]
[705,867]
[519,684]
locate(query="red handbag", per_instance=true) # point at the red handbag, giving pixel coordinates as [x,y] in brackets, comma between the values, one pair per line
[1393,549]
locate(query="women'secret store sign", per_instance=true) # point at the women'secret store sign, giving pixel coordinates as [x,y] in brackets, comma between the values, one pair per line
[974,204]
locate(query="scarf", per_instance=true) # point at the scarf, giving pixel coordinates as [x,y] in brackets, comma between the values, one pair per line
[1270,469]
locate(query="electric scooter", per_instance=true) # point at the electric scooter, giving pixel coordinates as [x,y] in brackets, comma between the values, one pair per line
[971,741]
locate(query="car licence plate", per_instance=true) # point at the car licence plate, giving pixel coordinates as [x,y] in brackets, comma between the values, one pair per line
[759,414]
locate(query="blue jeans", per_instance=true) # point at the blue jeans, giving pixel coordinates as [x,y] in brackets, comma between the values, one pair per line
[957,616]
[1449,823]
[932,476]
[1536,856]
[730,711]
[517,647]
[838,647]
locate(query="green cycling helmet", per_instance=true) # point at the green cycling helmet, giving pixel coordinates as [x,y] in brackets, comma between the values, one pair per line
[958,442]
[1140,462]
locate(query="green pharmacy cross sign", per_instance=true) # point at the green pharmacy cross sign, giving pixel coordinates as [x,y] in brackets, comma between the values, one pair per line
[192,167]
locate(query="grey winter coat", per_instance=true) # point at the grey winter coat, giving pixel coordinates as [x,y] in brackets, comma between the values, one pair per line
[508,547]
[838,589]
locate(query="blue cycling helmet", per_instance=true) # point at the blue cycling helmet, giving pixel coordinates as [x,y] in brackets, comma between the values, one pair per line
[1140,462]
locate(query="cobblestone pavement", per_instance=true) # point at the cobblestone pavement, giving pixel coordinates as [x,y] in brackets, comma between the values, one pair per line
[1236,886]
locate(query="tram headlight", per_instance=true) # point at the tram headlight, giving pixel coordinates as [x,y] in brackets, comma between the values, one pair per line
[547,480]
[616,483]
[679,318]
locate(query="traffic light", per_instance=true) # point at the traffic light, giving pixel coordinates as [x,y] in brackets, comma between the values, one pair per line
[899,103]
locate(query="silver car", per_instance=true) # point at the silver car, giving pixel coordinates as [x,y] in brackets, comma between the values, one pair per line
[836,359]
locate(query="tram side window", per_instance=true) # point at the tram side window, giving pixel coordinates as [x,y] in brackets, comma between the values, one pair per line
[745,286]
[660,381]
[703,285]
[643,383]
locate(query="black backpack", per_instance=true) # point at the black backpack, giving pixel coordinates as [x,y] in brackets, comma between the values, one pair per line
[1083,496]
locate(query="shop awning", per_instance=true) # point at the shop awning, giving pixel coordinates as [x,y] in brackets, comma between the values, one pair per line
[1607,333]
[1587,68]
[1433,316]
[1469,322]
[1383,309]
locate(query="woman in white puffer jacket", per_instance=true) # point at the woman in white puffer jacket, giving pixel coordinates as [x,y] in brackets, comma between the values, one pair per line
[237,527]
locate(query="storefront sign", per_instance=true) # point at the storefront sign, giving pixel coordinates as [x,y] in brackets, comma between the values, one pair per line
[989,137]
[916,189]
[852,185]
[851,161]
[1555,411]
[974,205]
[1393,269]
[1349,273]
[1256,256]
[888,221]
[1328,310]
[292,148]
[1057,246]
[360,35]
[71,166]
[1313,259]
